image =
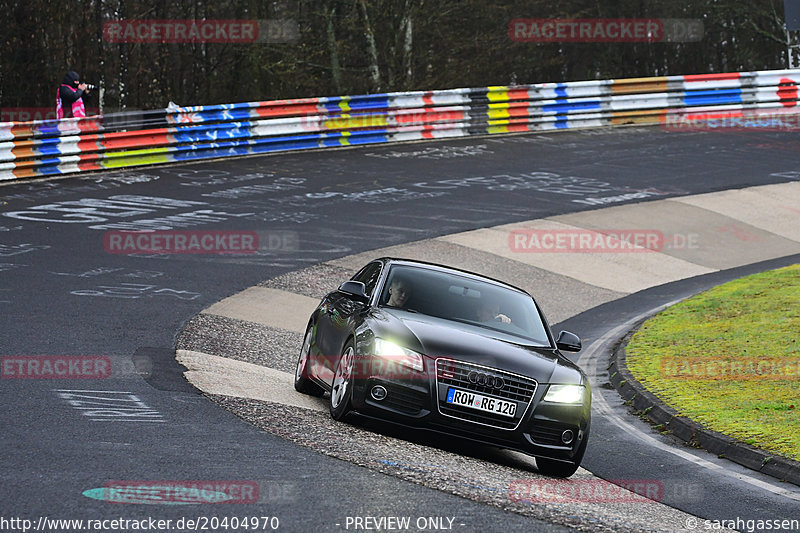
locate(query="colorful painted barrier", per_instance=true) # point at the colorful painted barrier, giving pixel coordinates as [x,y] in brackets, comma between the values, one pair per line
[43,148]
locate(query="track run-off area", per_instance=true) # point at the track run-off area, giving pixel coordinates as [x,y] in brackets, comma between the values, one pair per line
[724,204]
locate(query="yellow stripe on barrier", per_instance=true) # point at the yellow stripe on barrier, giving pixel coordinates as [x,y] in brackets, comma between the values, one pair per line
[498,113]
[498,93]
[346,122]
[148,156]
[497,129]
[343,104]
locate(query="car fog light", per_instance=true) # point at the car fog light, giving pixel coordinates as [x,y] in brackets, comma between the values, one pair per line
[378,392]
[568,436]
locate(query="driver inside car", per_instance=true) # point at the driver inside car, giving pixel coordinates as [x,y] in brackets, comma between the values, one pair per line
[489,311]
[399,291]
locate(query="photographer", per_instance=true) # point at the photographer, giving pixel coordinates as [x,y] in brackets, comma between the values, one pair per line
[69,98]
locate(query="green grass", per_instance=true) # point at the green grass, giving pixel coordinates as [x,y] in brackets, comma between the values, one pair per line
[729,358]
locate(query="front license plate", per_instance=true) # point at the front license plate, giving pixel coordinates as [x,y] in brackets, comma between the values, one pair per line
[480,402]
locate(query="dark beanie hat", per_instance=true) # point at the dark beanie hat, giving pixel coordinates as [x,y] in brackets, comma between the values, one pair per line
[70,78]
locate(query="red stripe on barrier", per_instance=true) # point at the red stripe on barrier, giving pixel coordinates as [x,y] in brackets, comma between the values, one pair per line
[787,92]
[138,140]
[712,77]
[519,111]
[290,102]
[518,94]
[89,165]
[89,125]
[286,110]
[426,116]
[90,145]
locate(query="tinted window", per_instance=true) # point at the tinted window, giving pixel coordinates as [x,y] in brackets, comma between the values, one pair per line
[466,300]
[369,277]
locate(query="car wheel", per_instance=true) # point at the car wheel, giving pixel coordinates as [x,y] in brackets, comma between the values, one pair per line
[553,468]
[342,389]
[302,383]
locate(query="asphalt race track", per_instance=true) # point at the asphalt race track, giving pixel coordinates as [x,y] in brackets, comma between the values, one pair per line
[65,292]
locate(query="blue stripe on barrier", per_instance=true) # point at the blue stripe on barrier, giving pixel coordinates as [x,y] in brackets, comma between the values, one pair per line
[274,146]
[353,103]
[51,146]
[331,107]
[48,129]
[567,106]
[51,161]
[291,139]
[372,103]
[710,97]
[49,170]
[222,115]
[212,134]
[370,138]
[205,151]
[355,137]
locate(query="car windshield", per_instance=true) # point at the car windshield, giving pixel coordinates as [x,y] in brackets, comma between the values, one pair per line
[466,300]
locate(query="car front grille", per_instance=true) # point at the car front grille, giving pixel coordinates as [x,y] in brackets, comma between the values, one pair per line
[515,388]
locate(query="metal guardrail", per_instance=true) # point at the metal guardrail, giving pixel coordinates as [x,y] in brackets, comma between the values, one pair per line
[51,147]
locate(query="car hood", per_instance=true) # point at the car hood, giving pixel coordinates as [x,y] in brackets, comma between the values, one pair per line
[435,337]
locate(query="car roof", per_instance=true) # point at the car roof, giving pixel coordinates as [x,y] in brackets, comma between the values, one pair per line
[448,269]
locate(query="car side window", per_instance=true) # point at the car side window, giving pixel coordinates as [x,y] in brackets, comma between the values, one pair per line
[369,277]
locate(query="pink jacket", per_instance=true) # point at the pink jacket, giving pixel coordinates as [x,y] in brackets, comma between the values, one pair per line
[78,111]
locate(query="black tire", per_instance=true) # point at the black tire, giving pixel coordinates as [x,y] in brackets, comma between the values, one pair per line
[342,387]
[302,383]
[553,468]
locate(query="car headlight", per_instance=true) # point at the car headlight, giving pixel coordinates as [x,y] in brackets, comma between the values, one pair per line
[565,394]
[398,354]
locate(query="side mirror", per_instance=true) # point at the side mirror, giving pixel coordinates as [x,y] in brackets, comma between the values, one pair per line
[568,342]
[356,289]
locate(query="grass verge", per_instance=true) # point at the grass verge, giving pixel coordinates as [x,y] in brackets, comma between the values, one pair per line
[729,358]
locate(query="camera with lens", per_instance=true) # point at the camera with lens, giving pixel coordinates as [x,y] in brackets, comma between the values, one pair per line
[90,87]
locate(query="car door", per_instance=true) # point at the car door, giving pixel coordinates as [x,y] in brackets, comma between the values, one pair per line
[339,314]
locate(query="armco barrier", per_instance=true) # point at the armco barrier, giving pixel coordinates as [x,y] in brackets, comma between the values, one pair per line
[43,148]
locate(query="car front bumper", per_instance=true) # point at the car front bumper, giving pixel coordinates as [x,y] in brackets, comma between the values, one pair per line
[419,400]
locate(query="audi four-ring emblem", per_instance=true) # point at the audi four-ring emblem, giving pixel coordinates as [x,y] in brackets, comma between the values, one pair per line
[485,380]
